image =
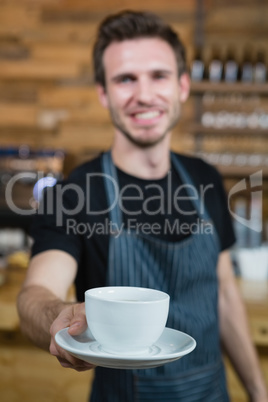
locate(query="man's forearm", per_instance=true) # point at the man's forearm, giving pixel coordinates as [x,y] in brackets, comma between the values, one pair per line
[38,308]
[237,342]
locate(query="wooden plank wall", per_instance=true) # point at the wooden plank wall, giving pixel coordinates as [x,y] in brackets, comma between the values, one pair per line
[47,97]
[46,94]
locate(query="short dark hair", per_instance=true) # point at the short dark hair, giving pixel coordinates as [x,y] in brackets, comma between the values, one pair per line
[132,25]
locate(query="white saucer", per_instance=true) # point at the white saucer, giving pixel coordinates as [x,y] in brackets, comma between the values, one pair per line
[171,345]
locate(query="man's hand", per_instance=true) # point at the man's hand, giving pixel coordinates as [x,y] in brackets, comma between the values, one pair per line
[43,308]
[72,316]
[260,398]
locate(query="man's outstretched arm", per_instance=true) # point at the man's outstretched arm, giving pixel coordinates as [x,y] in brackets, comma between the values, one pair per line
[43,308]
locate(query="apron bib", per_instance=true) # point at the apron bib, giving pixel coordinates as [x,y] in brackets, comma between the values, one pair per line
[187,272]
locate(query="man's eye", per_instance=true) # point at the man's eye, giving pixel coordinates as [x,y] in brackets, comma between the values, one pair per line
[126,79]
[159,76]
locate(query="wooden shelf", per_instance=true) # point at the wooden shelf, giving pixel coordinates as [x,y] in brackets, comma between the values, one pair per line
[224,87]
[241,171]
[198,128]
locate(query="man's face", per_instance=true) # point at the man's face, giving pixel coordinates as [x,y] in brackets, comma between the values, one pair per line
[143,91]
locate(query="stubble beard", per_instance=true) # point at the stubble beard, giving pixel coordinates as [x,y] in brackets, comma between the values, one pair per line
[145,143]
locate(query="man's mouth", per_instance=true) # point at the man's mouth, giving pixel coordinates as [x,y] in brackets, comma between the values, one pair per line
[147,117]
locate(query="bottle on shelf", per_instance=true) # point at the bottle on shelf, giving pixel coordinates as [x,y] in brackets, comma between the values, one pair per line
[260,69]
[230,66]
[215,66]
[197,71]
[240,215]
[255,228]
[247,67]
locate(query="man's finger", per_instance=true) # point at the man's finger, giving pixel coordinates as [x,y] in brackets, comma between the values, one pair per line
[77,327]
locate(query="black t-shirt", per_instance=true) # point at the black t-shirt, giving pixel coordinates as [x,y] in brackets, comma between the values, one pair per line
[74,216]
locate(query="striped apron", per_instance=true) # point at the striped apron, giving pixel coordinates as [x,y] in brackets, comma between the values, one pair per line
[186,270]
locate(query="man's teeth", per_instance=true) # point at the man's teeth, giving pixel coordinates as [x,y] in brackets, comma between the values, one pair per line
[147,115]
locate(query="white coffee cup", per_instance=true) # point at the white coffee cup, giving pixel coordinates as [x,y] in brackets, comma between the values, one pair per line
[124,319]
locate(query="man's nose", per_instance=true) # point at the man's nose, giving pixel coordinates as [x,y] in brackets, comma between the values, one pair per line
[144,91]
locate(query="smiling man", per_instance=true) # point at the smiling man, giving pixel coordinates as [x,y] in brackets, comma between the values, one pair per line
[143,91]
[172,236]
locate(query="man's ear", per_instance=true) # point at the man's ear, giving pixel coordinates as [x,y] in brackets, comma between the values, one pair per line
[102,94]
[184,83]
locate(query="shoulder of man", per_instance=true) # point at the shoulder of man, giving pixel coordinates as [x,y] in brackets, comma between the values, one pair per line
[200,171]
[79,173]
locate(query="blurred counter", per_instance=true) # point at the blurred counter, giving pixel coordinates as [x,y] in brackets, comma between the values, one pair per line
[27,373]
[9,320]
[255,295]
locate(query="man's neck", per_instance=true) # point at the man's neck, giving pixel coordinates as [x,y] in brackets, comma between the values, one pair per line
[145,163]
